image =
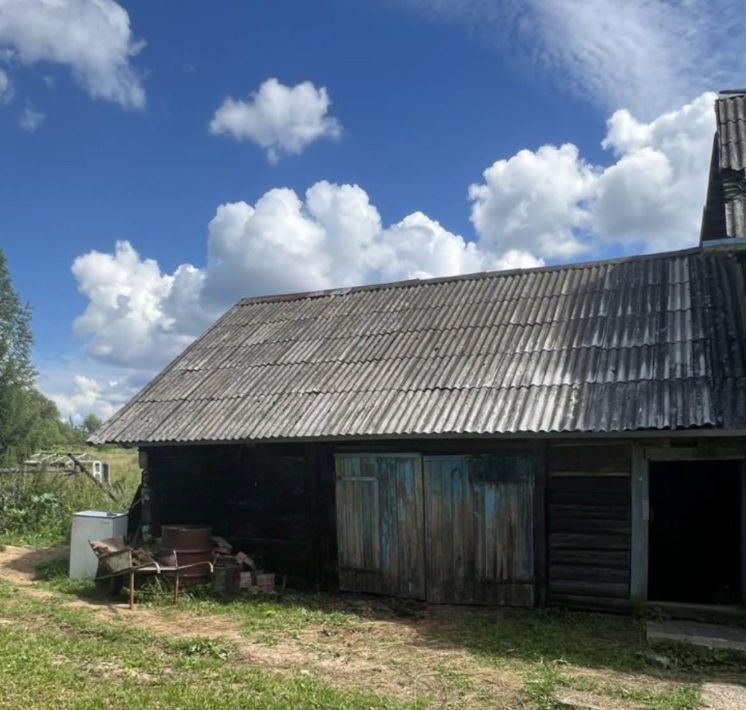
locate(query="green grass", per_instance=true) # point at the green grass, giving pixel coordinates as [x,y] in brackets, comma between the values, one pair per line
[544,646]
[260,617]
[55,657]
[36,508]
[547,644]
[544,681]
[532,635]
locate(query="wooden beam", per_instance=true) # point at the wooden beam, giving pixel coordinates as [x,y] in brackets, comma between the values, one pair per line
[640,525]
[743,533]
[723,449]
[146,498]
[314,512]
[540,524]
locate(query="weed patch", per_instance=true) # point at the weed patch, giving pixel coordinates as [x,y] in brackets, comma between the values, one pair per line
[36,507]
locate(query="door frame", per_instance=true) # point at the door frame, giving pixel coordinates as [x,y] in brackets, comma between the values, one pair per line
[642,456]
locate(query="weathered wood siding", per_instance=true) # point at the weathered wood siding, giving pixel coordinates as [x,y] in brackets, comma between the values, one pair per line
[589,524]
[479,529]
[380,524]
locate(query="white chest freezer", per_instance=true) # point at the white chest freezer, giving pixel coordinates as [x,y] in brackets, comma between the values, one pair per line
[92,525]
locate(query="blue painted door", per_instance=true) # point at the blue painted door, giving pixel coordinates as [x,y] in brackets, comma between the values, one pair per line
[380,524]
[479,543]
[448,529]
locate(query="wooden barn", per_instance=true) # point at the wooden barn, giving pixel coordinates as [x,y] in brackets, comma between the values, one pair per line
[570,435]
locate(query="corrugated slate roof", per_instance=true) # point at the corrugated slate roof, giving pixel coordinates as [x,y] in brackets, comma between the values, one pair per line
[646,343]
[725,208]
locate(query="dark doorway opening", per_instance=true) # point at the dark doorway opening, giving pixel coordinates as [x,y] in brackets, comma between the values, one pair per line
[695,532]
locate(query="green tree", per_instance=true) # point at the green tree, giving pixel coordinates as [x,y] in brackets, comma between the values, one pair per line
[16,371]
[28,420]
[90,424]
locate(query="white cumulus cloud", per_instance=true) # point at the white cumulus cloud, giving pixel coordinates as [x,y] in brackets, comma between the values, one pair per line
[87,396]
[546,205]
[557,206]
[92,37]
[134,311]
[97,392]
[139,317]
[652,196]
[281,119]
[534,200]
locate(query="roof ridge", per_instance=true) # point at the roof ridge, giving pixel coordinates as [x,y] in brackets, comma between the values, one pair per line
[404,283]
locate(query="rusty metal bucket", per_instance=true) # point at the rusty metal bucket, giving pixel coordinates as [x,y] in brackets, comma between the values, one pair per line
[191,544]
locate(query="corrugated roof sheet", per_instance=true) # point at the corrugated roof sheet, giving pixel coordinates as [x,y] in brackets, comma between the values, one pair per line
[730,111]
[654,342]
[724,214]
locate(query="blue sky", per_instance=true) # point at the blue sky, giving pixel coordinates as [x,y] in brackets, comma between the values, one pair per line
[409,101]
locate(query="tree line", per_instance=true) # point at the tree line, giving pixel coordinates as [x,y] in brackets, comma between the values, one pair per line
[29,421]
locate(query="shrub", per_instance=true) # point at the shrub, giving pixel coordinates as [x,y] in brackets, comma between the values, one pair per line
[36,508]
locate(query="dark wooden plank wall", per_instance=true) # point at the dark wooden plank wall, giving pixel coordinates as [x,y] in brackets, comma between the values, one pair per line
[589,525]
[271,501]
[278,502]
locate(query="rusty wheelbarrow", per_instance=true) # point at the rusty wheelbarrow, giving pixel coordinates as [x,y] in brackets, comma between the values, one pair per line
[117,561]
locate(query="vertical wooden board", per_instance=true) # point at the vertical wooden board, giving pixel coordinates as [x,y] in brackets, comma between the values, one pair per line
[345,553]
[411,529]
[743,532]
[433,482]
[446,534]
[489,533]
[480,527]
[640,523]
[449,552]
[371,552]
[358,516]
[515,534]
[463,546]
[390,505]
[527,519]
[402,513]
[418,527]
[539,523]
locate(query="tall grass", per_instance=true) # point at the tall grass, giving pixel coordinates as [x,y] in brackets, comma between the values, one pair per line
[36,507]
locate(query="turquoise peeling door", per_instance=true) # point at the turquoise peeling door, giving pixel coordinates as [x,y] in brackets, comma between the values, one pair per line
[380,524]
[479,541]
[448,529]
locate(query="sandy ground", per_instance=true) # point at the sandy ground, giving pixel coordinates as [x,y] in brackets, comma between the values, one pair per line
[387,656]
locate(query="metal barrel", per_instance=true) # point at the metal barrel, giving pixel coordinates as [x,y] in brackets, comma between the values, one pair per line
[191,543]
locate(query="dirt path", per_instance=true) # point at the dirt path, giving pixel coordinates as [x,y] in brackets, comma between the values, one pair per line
[18,564]
[385,657]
